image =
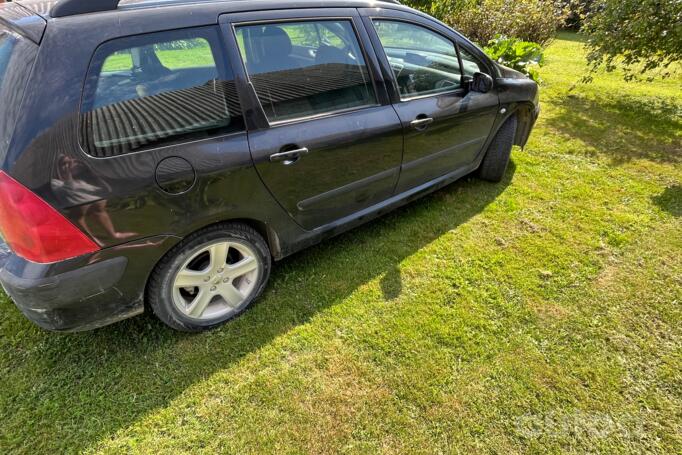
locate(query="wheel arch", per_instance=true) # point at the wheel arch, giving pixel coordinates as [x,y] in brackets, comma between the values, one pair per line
[269,234]
[525,114]
[265,230]
[524,111]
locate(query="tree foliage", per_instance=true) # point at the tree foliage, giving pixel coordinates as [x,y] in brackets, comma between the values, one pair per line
[641,36]
[577,12]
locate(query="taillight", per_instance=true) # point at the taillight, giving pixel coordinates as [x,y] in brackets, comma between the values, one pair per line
[36,231]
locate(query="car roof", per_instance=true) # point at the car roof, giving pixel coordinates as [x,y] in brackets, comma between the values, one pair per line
[44,7]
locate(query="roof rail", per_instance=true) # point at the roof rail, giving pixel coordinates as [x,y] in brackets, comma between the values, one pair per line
[72,7]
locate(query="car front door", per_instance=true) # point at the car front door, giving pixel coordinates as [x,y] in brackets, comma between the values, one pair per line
[323,134]
[446,125]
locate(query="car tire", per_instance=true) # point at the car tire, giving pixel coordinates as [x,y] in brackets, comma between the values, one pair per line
[213,289]
[496,159]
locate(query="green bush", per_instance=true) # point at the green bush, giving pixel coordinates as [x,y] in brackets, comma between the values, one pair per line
[422,5]
[483,20]
[578,10]
[523,56]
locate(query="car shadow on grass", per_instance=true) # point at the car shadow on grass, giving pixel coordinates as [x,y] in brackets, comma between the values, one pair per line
[72,391]
[670,200]
[622,128]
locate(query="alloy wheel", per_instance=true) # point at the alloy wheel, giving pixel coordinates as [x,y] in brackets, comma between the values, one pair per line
[216,280]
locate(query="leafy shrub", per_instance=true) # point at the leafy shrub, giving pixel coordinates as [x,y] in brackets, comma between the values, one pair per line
[523,56]
[577,10]
[443,9]
[421,5]
[482,20]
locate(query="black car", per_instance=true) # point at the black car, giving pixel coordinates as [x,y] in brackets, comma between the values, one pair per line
[160,154]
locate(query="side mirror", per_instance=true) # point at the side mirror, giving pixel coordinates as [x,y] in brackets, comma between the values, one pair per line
[481,83]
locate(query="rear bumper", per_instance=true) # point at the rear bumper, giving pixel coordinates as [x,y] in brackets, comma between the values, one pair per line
[77,300]
[84,293]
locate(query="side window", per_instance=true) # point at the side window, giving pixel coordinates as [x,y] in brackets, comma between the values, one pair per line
[306,68]
[423,61]
[157,89]
[470,64]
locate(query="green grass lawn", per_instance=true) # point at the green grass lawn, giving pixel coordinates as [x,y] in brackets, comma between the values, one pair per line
[200,55]
[543,314]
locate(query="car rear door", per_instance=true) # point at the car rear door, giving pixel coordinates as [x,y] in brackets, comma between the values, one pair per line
[323,134]
[446,125]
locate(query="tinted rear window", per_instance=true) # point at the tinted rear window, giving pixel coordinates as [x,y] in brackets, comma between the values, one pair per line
[157,90]
[16,58]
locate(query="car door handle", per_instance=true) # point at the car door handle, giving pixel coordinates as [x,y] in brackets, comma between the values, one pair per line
[289,156]
[421,123]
